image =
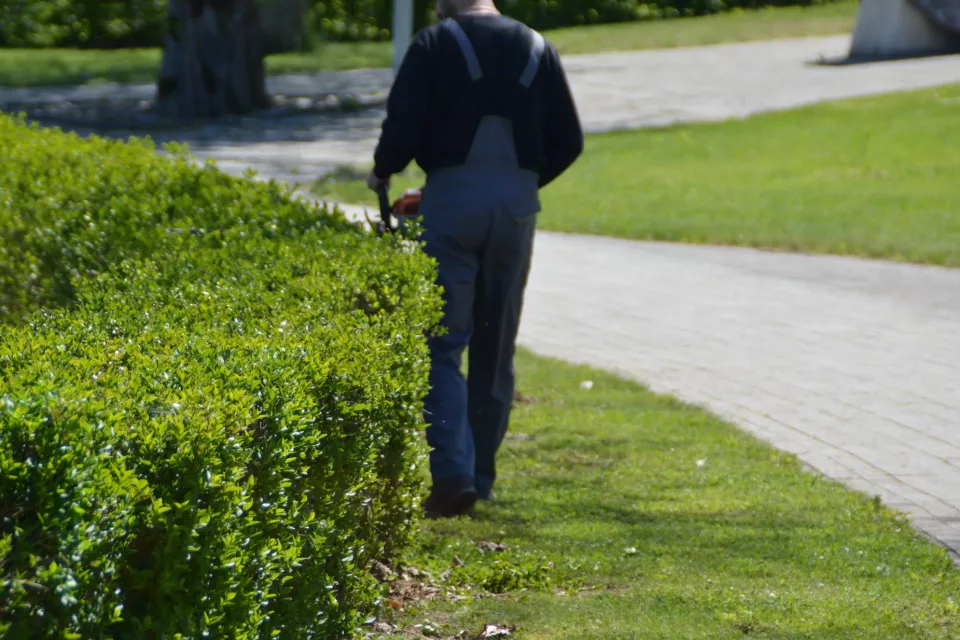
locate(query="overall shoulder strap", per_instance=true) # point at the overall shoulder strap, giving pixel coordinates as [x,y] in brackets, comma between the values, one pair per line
[469,54]
[537,47]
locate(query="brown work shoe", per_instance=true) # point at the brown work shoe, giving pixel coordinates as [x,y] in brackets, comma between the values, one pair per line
[450,500]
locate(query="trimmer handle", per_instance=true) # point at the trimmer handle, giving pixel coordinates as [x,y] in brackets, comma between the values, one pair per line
[386,209]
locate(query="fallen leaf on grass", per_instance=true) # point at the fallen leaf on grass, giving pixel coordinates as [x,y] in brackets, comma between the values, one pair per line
[406,588]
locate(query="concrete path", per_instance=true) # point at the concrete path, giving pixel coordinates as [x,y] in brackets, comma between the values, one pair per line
[651,88]
[617,90]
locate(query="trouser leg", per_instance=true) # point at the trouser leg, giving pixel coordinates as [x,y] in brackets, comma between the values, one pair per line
[448,433]
[501,281]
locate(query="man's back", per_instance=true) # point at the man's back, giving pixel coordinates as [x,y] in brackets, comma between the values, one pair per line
[473,67]
[501,57]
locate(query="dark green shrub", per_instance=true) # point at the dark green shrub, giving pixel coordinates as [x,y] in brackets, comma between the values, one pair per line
[210,402]
[90,23]
[71,206]
[142,22]
[372,19]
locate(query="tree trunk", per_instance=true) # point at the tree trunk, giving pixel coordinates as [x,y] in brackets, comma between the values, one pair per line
[421,14]
[282,22]
[212,60]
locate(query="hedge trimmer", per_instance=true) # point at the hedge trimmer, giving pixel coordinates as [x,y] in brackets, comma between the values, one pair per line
[406,206]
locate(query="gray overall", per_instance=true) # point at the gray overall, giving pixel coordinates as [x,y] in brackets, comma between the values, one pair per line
[478,221]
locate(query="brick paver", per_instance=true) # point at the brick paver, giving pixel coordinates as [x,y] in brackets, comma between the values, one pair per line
[852,365]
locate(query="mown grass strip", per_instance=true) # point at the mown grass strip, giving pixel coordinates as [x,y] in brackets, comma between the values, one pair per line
[626,514]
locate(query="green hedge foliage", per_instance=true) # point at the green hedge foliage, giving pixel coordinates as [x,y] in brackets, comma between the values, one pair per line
[92,23]
[71,207]
[105,23]
[210,399]
[552,14]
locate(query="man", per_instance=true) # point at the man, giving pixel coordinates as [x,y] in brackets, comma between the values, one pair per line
[481,102]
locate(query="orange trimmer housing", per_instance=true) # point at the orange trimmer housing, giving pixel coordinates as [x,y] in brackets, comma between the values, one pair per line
[408,204]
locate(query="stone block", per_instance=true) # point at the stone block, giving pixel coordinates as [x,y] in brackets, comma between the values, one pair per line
[898,28]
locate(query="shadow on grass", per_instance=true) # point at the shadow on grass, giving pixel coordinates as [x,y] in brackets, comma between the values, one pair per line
[812,529]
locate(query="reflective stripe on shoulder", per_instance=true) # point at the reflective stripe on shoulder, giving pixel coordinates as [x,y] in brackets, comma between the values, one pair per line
[536,53]
[473,64]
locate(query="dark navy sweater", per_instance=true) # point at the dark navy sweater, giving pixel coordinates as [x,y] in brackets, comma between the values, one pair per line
[435,107]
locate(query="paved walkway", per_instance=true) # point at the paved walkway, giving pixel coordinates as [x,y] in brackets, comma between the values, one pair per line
[852,365]
[651,88]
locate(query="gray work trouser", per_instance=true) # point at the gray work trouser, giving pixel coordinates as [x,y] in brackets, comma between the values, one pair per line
[483,246]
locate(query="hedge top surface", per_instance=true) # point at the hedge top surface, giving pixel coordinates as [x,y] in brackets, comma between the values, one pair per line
[70,206]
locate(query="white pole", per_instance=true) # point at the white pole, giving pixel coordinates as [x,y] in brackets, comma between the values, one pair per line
[402,30]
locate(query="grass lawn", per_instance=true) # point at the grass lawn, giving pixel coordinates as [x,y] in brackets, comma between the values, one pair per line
[631,515]
[23,68]
[61,67]
[873,177]
[736,26]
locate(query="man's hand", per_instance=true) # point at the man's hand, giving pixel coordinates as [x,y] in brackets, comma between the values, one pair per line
[375,182]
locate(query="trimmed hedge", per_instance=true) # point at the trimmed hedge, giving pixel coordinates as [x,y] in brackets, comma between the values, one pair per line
[71,207]
[111,23]
[210,399]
